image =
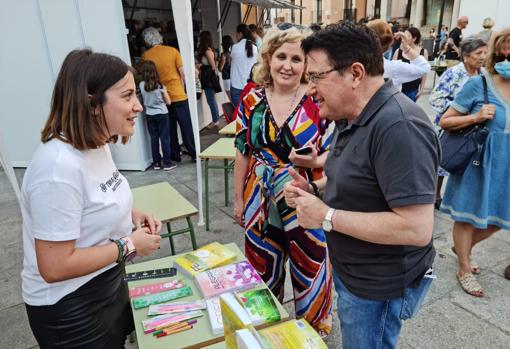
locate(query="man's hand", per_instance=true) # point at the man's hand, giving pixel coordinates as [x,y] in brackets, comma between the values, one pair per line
[310,209]
[297,182]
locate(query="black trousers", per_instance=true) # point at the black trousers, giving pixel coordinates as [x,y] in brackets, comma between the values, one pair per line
[179,113]
[97,315]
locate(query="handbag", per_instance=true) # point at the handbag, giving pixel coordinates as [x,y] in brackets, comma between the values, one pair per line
[209,79]
[460,148]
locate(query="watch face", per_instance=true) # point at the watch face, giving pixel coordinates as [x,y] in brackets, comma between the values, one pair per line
[130,256]
[326,225]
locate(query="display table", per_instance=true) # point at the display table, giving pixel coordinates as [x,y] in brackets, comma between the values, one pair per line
[222,149]
[229,130]
[201,334]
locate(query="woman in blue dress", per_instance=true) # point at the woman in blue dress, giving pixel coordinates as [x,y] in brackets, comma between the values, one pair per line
[478,199]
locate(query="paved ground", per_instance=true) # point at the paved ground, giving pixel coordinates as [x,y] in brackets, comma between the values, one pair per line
[449,318]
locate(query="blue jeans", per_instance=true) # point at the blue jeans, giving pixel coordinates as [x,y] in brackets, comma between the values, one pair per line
[209,94]
[373,324]
[235,95]
[158,130]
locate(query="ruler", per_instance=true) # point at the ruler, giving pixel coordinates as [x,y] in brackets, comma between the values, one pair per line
[150,274]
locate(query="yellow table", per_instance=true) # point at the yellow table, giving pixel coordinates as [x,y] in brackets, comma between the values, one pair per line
[167,205]
[229,130]
[222,149]
[201,334]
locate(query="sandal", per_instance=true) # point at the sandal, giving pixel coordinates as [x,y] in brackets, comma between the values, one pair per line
[475,268]
[507,272]
[470,285]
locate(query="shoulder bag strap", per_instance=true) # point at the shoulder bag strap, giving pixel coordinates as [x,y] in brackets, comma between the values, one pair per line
[485,95]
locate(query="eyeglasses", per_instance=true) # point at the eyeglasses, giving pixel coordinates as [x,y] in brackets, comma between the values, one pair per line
[314,77]
[500,58]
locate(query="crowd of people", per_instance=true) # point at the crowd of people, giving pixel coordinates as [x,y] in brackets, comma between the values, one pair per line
[336,172]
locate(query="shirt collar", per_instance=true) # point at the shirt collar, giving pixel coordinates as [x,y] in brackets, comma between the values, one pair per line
[376,102]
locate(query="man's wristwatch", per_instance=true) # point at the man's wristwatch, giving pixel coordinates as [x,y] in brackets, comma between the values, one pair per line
[327,223]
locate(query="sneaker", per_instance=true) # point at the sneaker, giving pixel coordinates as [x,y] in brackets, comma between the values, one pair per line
[507,272]
[156,166]
[169,167]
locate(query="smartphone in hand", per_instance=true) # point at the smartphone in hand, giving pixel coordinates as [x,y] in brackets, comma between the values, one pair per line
[304,150]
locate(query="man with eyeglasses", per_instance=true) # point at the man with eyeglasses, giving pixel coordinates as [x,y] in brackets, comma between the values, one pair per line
[379,190]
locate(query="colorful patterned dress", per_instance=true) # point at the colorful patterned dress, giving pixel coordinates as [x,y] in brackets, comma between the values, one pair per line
[272,232]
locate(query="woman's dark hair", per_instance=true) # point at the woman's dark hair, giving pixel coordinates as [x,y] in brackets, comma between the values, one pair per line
[150,76]
[246,33]
[226,43]
[415,33]
[358,42]
[204,43]
[79,90]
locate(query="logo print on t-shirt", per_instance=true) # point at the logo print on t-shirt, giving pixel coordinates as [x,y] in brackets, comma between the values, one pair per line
[113,182]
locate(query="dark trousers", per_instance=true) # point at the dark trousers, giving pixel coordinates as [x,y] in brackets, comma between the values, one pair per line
[179,113]
[158,126]
[97,315]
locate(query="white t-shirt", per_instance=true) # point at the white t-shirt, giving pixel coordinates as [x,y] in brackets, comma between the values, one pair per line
[402,72]
[68,194]
[241,64]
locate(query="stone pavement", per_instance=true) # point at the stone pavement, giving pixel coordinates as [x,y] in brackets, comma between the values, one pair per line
[449,318]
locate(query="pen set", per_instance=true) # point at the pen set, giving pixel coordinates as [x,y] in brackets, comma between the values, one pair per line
[175,328]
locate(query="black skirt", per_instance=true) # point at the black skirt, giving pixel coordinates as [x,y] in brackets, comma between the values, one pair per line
[97,315]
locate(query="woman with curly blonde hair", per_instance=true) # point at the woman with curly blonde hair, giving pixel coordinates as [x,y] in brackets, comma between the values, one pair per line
[278,128]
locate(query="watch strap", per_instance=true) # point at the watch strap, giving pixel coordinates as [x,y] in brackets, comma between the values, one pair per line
[329,215]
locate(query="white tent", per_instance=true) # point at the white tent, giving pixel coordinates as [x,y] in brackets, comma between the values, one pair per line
[184,30]
[40,39]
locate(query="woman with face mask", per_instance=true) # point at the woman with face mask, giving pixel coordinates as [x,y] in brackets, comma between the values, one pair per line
[478,199]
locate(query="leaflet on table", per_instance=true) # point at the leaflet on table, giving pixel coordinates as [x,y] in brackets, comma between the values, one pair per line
[159,287]
[176,307]
[163,321]
[145,301]
[205,258]
[232,277]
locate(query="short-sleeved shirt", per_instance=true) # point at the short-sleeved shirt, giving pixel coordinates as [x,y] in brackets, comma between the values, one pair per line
[168,61]
[385,159]
[241,64]
[68,194]
[153,101]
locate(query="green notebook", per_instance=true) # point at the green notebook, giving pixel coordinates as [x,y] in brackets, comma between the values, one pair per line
[260,306]
[145,301]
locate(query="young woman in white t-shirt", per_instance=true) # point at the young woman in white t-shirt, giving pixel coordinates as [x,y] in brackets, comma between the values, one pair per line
[77,210]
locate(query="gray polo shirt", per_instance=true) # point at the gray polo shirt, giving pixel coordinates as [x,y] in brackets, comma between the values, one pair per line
[386,158]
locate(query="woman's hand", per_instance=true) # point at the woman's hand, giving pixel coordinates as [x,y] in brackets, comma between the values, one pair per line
[486,112]
[308,160]
[145,242]
[238,212]
[141,219]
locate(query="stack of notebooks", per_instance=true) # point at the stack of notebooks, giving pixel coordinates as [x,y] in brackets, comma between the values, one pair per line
[232,296]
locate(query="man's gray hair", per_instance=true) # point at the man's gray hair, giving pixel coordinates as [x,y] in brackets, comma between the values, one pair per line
[471,44]
[152,37]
